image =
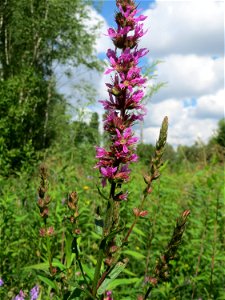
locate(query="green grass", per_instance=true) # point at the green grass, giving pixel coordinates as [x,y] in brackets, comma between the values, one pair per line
[198,270]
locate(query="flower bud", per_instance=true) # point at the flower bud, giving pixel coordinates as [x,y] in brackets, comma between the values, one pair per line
[186,213]
[136,211]
[143,213]
[50,231]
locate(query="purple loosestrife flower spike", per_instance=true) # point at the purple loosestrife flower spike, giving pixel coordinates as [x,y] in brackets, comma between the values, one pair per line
[34,293]
[20,296]
[123,107]
[1,282]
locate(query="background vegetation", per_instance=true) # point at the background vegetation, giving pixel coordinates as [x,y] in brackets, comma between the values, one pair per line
[35,127]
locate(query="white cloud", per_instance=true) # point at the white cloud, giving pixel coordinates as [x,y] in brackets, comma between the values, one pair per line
[185,27]
[103,41]
[186,123]
[189,37]
[186,131]
[210,106]
[156,112]
[189,76]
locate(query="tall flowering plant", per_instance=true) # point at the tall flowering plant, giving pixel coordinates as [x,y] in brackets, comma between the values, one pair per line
[124,106]
[122,109]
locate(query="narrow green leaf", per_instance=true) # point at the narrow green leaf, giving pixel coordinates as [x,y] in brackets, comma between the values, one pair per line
[48,282]
[128,272]
[45,266]
[119,267]
[137,230]
[134,254]
[42,266]
[88,271]
[58,264]
[123,281]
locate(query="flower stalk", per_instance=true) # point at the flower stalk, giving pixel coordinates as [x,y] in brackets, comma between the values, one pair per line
[154,173]
[43,204]
[122,110]
[161,272]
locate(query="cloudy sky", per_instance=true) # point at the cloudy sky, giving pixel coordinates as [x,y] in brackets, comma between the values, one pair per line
[188,38]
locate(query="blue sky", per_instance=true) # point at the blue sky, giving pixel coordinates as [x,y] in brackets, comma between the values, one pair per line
[186,36]
[107,9]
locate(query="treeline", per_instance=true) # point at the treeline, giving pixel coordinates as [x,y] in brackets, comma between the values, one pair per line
[35,37]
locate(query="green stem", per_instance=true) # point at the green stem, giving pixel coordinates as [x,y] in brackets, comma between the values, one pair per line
[148,292]
[82,272]
[105,232]
[49,254]
[97,271]
[80,265]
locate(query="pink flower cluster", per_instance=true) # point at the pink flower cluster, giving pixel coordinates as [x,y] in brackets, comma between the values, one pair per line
[124,106]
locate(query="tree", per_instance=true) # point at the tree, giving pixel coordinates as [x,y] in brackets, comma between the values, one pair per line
[216,145]
[35,35]
[94,136]
[220,138]
[145,152]
[84,133]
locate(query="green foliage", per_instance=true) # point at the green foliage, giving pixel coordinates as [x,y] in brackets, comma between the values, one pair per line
[145,152]
[34,37]
[84,133]
[197,271]
[220,138]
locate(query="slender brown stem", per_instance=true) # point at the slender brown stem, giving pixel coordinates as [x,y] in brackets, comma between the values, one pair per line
[103,277]
[136,218]
[130,230]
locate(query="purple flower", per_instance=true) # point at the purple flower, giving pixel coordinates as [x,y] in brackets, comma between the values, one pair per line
[125,139]
[123,107]
[108,172]
[34,293]
[20,296]
[117,34]
[123,196]
[108,295]
[101,152]
[1,282]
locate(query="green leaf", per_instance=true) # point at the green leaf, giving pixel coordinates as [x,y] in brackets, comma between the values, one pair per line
[128,272]
[138,231]
[42,266]
[75,294]
[45,266]
[119,267]
[88,271]
[21,218]
[58,264]
[134,254]
[48,282]
[122,281]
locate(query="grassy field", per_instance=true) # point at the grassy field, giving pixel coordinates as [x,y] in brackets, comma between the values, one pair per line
[196,272]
